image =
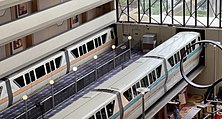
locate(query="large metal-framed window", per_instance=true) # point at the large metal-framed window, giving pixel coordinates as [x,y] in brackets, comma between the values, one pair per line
[198,13]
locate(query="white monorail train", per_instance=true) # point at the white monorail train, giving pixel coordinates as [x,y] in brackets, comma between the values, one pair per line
[158,70]
[34,77]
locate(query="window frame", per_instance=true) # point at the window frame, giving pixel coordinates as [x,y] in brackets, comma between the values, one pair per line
[171,58]
[192,42]
[129,91]
[37,73]
[104,113]
[100,41]
[92,117]
[72,51]
[49,66]
[52,68]
[151,78]
[29,77]
[135,93]
[84,48]
[159,69]
[60,62]
[113,107]
[32,75]
[112,34]
[14,80]
[104,38]
[154,75]
[89,47]
[99,114]
[1,88]
[146,82]
[81,53]
[96,43]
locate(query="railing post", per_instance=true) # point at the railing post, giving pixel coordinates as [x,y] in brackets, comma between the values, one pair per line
[114,56]
[95,57]
[51,82]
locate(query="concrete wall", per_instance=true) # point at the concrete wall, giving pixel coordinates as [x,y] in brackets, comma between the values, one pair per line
[5,16]
[43,4]
[91,14]
[165,32]
[137,31]
[2,52]
[49,32]
[213,67]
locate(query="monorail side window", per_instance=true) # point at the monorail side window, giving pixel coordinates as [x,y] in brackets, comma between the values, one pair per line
[192,42]
[144,82]
[104,37]
[58,61]
[48,69]
[182,51]
[134,90]
[92,117]
[90,45]
[128,94]
[40,71]
[103,112]
[0,91]
[27,78]
[177,57]
[154,75]
[98,115]
[99,41]
[151,78]
[20,81]
[80,50]
[32,76]
[171,62]
[75,52]
[158,71]
[188,49]
[112,34]
[96,42]
[110,108]
[52,65]
[84,49]
[137,85]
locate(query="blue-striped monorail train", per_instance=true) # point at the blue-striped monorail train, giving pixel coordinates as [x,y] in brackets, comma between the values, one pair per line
[34,77]
[158,70]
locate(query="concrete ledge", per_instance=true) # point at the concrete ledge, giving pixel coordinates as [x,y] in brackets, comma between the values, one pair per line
[44,49]
[36,22]
[4,4]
